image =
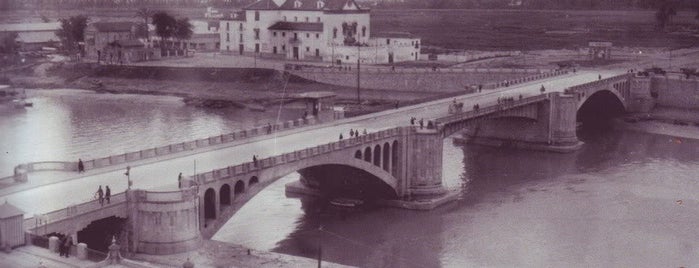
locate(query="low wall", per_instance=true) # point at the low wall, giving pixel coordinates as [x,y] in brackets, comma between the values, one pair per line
[676,92]
[412,79]
[209,74]
[21,171]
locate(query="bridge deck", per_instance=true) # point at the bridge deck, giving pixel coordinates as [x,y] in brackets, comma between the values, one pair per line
[162,173]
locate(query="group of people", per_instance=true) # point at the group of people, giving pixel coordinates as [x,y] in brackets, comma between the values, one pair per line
[353,133]
[103,195]
[64,246]
[502,100]
[421,122]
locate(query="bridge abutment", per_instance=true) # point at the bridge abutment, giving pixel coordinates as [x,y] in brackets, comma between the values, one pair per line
[423,165]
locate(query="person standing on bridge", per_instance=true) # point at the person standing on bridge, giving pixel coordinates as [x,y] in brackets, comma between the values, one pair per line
[422,123]
[107,193]
[269,128]
[351,133]
[599,77]
[254,160]
[62,246]
[68,244]
[100,195]
[179,180]
[340,136]
[81,166]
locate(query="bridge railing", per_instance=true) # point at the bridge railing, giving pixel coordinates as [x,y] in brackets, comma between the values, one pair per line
[71,211]
[246,167]
[21,171]
[407,70]
[482,111]
[596,84]
[526,79]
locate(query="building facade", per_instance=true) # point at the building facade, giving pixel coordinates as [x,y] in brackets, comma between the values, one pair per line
[312,30]
[116,43]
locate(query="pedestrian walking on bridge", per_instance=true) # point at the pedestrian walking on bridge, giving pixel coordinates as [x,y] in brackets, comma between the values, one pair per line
[100,195]
[179,180]
[107,193]
[81,166]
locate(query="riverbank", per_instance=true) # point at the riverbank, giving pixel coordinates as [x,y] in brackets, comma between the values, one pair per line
[220,254]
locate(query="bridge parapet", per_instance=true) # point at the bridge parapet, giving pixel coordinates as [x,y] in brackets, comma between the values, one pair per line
[484,111]
[247,167]
[597,84]
[526,79]
[73,211]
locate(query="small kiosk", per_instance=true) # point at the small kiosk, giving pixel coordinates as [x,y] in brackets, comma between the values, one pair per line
[321,104]
[11,226]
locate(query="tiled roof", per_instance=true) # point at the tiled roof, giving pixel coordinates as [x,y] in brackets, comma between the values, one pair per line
[30,27]
[7,210]
[116,26]
[262,5]
[297,26]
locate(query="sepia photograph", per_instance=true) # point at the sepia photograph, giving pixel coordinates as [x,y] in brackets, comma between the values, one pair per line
[349,133]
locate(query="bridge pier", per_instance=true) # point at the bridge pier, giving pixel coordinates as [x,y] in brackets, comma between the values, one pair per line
[548,125]
[423,168]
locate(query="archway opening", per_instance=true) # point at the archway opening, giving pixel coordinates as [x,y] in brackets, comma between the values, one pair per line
[210,204]
[377,155]
[225,195]
[394,158]
[386,156]
[358,154]
[98,234]
[239,188]
[334,180]
[599,110]
[367,154]
[254,180]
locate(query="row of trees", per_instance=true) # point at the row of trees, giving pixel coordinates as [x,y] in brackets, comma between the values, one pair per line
[68,4]
[536,4]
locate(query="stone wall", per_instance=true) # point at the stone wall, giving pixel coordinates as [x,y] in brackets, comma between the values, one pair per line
[417,80]
[675,92]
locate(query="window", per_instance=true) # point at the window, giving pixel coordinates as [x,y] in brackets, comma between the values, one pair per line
[317,52]
[296,19]
[317,36]
[308,49]
[240,27]
[306,19]
[388,41]
[257,48]
[228,37]
[297,4]
[274,50]
[283,47]
[228,48]
[257,15]
[274,34]
[363,31]
[320,4]
[257,34]
[308,35]
[228,26]
[317,19]
[284,18]
[283,34]
[296,36]
[241,38]
[334,32]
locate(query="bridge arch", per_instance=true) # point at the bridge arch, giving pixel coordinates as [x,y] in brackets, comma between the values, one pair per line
[394,158]
[367,154]
[358,154]
[377,155]
[599,106]
[239,188]
[368,168]
[253,180]
[210,204]
[225,195]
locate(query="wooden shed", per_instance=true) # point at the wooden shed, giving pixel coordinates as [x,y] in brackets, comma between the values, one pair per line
[11,226]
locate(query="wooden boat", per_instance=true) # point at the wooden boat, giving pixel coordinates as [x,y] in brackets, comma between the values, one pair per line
[346,202]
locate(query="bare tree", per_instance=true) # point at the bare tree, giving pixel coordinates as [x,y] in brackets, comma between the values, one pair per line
[145,13]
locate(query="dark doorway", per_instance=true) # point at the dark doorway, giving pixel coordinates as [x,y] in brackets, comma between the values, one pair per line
[241,48]
[296,53]
[210,204]
[225,195]
[390,57]
[98,234]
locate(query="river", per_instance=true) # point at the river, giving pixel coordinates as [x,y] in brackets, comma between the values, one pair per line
[626,199]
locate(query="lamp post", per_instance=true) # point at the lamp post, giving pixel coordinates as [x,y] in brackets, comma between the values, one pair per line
[358,56]
[128,177]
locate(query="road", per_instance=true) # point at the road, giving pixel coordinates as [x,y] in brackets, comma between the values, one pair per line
[162,175]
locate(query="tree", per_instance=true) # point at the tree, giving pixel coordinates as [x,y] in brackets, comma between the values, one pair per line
[72,31]
[183,29]
[145,14]
[164,27]
[664,14]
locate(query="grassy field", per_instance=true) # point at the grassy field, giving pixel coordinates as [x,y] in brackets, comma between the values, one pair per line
[533,30]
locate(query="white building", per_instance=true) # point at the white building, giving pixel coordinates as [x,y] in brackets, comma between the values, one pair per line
[313,30]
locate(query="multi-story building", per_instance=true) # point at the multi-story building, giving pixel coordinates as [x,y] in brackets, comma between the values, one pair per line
[116,43]
[317,30]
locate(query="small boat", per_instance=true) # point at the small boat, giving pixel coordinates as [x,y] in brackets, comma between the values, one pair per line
[346,202]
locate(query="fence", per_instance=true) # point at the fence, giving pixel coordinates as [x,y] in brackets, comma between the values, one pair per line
[525,79]
[21,171]
[272,161]
[399,70]
[490,109]
[37,221]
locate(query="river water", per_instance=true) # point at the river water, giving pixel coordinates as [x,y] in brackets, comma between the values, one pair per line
[626,199]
